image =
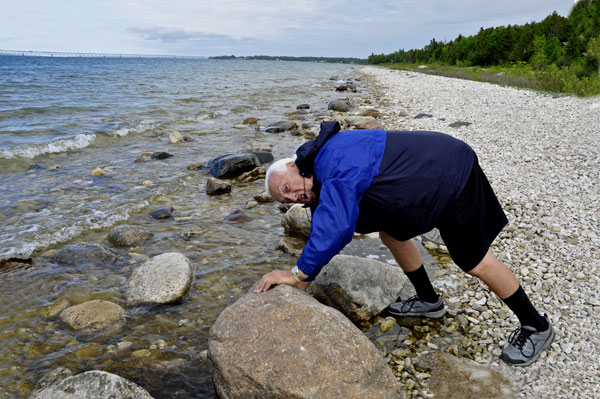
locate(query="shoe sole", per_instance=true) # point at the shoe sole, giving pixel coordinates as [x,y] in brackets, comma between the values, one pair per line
[432,315]
[533,358]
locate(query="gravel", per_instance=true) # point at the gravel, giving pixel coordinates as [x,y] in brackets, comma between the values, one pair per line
[541,153]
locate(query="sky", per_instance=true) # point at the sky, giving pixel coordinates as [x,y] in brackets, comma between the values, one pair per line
[327,28]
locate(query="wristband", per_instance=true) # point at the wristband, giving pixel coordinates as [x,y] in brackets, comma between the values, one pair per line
[296,273]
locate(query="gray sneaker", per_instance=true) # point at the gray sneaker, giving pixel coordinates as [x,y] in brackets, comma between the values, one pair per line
[525,345]
[414,307]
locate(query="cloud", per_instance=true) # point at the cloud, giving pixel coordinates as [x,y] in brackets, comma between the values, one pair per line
[168,35]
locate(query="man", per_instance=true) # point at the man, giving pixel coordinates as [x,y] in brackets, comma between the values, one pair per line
[402,184]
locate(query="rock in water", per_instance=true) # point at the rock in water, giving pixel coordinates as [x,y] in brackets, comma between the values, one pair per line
[93,385]
[454,377]
[237,216]
[126,235]
[175,137]
[297,221]
[360,288]
[94,316]
[284,344]
[232,165]
[84,254]
[164,212]
[166,278]
[216,186]
[339,105]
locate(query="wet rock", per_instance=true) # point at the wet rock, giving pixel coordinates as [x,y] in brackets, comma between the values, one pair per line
[303,106]
[97,172]
[160,155]
[195,166]
[237,216]
[164,212]
[363,122]
[264,198]
[84,254]
[126,235]
[216,186]
[284,344]
[274,129]
[232,165]
[286,125]
[264,156]
[454,377]
[284,207]
[458,124]
[360,288]
[166,278]
[94,316]
[297,221]
[188,138]
[175,137]
[36,166]
[292,245]
[421,116]
[339,105]
[93,385]
[54,168]
[253,175]
[54,377]
[250,121]
[346,87]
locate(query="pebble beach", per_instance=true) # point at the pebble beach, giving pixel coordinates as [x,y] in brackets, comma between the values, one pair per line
[541,153]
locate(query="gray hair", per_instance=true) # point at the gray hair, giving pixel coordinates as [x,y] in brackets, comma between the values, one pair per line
[276,167]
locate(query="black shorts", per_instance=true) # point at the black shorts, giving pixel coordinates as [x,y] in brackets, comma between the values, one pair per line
[470,225]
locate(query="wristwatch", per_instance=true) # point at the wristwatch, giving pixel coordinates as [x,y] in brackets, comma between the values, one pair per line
[296,272]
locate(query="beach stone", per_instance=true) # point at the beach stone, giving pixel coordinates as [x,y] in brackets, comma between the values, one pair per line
[195,166]
[250,121]
[363,122]
[93,384]
[232,165]
[85,254]
[264,156]
[369,125]
[339,105]
[292,245]
[297,221]
[360,288]
[164,212]
[126,235]
[286,125]
[161,155]
[303,106]
[54,377]
[346,87]
[188,138]
[237,216]
[458,124]
[284,344]
[253,175]
[216,186]
[274,129]
[94,316]
[263,198]
[175,137]
[454,377]
[370,112]
[166,278]
[421,116]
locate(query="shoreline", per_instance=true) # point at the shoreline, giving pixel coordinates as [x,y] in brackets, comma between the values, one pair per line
[540,154]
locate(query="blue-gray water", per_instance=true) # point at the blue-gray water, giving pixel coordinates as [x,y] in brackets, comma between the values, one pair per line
[60,118]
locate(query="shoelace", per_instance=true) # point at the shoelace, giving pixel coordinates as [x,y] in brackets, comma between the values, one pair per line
[519,338]
[410,302]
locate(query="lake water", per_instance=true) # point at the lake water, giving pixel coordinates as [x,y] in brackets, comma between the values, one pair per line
[60,118]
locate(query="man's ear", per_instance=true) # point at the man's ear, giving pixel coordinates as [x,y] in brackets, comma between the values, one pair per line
[291,164]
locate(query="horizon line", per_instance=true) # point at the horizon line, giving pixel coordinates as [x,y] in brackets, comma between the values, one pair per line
[65,54]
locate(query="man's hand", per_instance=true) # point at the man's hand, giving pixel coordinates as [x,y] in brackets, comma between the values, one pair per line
[278,277]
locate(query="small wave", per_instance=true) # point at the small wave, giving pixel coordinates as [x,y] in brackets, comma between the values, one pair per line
[60,145]
[124,131]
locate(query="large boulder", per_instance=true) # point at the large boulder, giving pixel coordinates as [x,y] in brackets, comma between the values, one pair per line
[459,378]
[93,385]
[166,278]
[84,254]
[126,235]
[94,316]
[360,288]
[232,165]
[297,221]
[284,344]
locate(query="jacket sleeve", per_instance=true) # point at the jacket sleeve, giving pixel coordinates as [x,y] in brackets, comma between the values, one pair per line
[333,224]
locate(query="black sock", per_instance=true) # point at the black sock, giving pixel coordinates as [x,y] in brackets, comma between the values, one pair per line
[522,307]
[422,284]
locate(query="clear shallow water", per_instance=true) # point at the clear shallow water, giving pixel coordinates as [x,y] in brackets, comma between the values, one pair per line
[62,118]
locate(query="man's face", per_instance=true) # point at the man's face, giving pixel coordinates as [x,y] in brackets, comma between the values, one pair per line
[290,187]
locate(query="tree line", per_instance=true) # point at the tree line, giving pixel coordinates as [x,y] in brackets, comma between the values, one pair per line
[337,60]
[553,44]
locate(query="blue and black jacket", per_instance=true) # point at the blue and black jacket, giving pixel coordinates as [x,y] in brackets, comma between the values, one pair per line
[373,180]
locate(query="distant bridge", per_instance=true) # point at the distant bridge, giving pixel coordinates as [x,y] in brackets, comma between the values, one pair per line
[30,53]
